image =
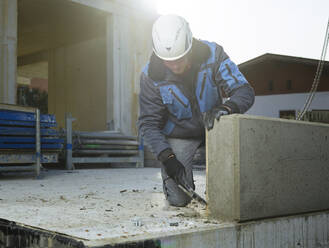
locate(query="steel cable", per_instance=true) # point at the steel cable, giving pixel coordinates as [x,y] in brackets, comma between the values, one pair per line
[317,76]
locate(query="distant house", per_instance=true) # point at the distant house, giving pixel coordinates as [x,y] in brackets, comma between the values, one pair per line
[282,84]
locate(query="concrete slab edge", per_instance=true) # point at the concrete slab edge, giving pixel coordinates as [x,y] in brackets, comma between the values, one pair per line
[307,230]
[13,234]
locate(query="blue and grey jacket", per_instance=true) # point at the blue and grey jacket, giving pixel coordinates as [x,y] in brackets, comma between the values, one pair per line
[167,107]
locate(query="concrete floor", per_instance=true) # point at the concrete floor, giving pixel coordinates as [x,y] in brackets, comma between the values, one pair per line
[100,204]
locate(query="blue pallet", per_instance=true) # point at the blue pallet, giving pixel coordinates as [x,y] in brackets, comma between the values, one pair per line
[30,146]
[15,140]
[23,116]
[26,123]
[26,131]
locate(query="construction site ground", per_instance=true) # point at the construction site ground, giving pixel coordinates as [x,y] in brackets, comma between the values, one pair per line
[111,205]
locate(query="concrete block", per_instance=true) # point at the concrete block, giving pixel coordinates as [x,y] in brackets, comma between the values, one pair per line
[264,167]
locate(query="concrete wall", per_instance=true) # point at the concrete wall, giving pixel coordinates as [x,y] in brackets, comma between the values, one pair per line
[263,167]
[96,77]
[96,50]
[8,47]
[119,56]
[128,34]
[270,105]
[77,83]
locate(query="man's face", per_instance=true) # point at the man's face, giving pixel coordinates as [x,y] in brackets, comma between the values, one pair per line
[178,66]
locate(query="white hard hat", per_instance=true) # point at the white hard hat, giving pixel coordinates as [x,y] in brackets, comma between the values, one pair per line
[172,37]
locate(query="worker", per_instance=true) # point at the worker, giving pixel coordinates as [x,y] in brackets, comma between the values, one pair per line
[182,91]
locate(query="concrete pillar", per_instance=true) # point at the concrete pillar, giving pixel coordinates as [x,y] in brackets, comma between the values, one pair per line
[261,167]
[8,48]
[109,73]
[122,72]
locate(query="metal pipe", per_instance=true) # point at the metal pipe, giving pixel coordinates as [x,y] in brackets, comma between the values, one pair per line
[108,147]
[82,160]
[108,142]
[38,145]
[100,132]
[108,152]
[103,135]
[140,164]
[68,126]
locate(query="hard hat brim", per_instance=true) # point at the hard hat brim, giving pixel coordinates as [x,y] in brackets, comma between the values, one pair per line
[172,58]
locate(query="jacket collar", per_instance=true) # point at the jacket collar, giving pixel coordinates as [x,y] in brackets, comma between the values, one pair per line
[159,72]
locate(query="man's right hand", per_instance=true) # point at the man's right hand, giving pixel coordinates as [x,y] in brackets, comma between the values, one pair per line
[172,166]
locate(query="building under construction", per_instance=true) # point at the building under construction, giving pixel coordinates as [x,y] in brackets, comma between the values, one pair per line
[90,52]
[266,179]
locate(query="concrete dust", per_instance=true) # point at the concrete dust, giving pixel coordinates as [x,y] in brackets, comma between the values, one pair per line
[100,203]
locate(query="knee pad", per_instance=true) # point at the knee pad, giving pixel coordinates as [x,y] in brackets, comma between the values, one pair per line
[178,201]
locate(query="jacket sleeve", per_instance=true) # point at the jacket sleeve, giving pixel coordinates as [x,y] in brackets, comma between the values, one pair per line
[233,83]
[153,115]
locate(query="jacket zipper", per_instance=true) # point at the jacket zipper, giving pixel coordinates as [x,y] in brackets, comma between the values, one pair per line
[195,103]
[203,84]
[230,72]
[177,97]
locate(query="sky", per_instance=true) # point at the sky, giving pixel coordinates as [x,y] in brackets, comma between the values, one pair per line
[249,28]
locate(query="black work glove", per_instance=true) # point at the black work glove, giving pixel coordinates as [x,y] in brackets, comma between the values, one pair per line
[172,166]
[215,113]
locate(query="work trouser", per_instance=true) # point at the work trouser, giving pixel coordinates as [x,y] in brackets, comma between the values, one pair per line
[184,150]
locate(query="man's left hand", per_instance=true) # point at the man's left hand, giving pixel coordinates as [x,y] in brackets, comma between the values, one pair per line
[215,113]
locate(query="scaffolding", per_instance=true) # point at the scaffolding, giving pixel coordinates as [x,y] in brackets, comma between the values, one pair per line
[101,147]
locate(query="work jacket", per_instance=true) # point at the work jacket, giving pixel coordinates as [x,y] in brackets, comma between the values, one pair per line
[168,108]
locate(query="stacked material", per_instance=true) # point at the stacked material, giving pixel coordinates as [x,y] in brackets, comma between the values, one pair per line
[18,132]
[111,143]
